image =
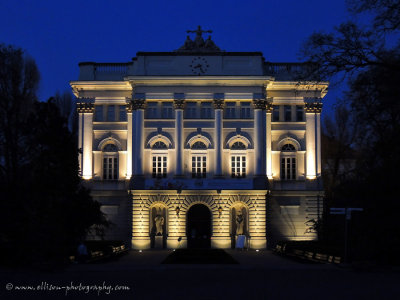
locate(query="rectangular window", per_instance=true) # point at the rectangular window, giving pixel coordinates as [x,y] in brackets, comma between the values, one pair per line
[206,110]
[299,113]
[199,166]
[238,166]
[191,110]
[111,113]
[159,167]
[288,168]
[288,113]
[152,110]
[122,113]
[230,110]
[245,110]
[167,110]
[275,113]
[110,168]
[98,113]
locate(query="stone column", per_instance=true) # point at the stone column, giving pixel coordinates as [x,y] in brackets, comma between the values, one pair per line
[85,109]
[318,136]
[259,105]
[268,137]
[312,107]
[139,105]
[129,139]
[218,107]
[179,105]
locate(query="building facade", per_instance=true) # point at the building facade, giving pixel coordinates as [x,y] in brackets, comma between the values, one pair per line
[194,147]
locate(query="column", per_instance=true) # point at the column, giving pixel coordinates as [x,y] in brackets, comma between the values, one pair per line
[218,107]
[129,139]
[85,109]
[259,105]
[179,105]
[139,105]
[318,136]
[311,108]
[268,137]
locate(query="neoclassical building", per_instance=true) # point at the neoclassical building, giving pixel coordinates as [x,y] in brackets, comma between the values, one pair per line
[193,147]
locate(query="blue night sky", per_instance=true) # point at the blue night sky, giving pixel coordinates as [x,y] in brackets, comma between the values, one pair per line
[60,34]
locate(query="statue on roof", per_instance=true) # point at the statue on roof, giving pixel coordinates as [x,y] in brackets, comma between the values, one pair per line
[199,45]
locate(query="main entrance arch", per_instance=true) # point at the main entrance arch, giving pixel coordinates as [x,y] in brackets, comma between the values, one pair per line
[198,226]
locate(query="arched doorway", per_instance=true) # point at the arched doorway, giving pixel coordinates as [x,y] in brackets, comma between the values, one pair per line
[198,226]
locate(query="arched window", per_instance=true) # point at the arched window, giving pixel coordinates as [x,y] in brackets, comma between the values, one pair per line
[238,146]
[110,162]
[159,160]
[288,147]
[288,162]
[199,160]
[159,145]
[199,145]
[238,161]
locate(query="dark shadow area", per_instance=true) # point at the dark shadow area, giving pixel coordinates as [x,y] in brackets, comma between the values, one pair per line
[198,228]
[199,256]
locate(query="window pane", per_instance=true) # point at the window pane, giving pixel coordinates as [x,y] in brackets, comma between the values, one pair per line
[245,109]
[167,110]
[275,113]
[98,116]
[190,110]
[299,113]
[122,113]
[230,110]
[206,110]
[111,113]
[288,113]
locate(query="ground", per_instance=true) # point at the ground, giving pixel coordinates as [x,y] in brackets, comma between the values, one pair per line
[259,275]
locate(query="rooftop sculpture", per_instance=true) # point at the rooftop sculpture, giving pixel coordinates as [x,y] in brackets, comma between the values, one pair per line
[199,45]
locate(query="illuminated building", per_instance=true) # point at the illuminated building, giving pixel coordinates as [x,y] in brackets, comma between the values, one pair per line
[184,144]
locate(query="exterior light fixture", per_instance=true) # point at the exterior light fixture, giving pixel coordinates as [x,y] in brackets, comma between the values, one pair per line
[177,209]
[220,211]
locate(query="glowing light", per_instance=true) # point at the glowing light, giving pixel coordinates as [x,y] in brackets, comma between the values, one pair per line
[257,250]
[140,251]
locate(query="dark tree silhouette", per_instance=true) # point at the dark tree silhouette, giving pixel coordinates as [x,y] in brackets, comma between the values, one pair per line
[46,210]
[372,66]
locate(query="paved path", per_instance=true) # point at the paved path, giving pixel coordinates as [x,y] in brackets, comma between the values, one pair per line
[260,275]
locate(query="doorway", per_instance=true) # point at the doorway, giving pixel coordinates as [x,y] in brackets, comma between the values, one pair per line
[198,226]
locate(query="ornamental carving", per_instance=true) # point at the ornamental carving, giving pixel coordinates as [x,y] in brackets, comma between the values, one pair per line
[139,104]
[313,107]
[218,103]
[179,103]
[268,107]
[85,105]
[129,106]
[259,103]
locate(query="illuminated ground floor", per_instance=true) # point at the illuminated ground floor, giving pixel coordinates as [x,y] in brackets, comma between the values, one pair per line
[209,218]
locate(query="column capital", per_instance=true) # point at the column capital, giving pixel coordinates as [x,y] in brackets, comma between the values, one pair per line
[85,105]
[179,103]
[313,105]
[219,103]
[138,104]
[268,107]
[129,106]
[259,103]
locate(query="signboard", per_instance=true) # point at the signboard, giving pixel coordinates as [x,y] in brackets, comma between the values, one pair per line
[241,240]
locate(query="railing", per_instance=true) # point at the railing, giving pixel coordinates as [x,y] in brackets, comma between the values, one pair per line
[286,69]
[120,68]
[103,71]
